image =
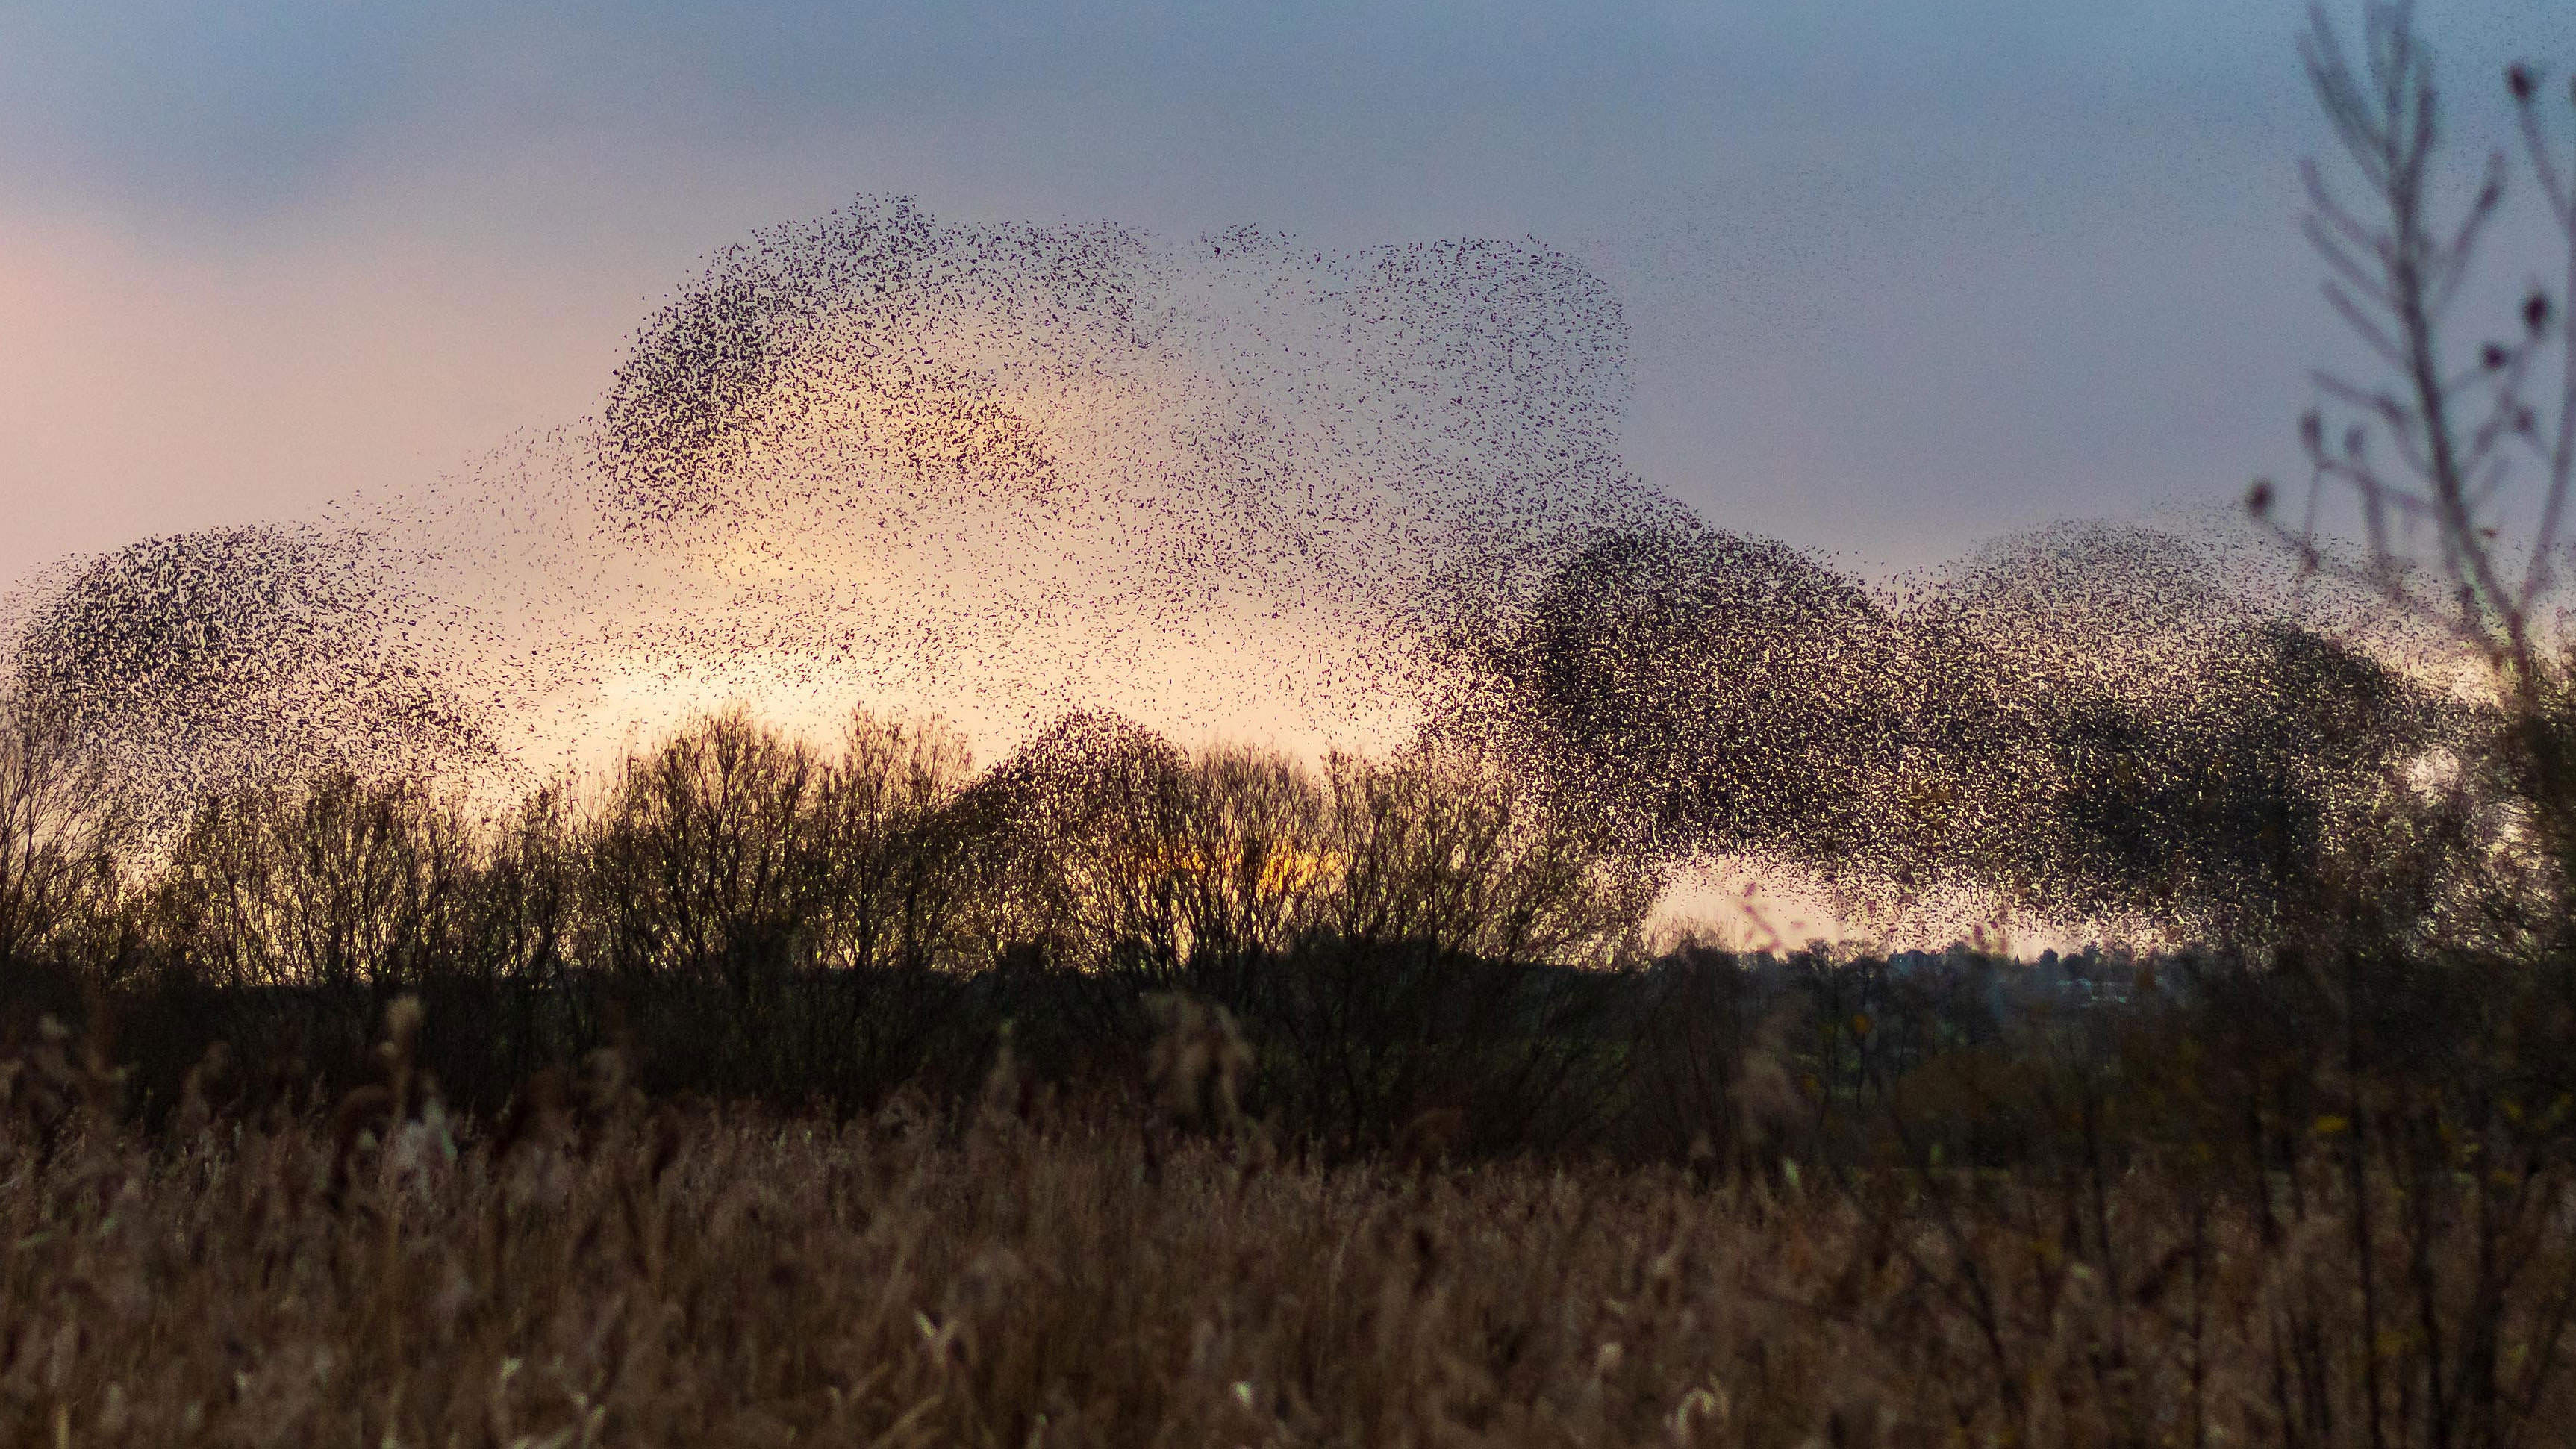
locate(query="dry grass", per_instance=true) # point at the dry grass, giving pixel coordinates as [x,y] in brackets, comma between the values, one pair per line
[594,1270]
[1352,1153]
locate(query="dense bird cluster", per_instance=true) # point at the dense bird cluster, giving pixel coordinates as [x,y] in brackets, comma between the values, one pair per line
[2088,723]
[210,662]
[1005,473]
[1091,471]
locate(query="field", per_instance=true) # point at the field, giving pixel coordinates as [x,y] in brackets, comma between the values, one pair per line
[595,1270]
[2155,1220]
[1120,1095]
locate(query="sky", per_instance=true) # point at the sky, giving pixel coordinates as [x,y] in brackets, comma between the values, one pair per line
[1902,276]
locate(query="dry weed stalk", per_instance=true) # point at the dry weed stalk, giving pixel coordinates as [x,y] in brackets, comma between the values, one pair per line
[594,1271]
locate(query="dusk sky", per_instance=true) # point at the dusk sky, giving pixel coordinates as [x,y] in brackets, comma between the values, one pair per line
[1901,276]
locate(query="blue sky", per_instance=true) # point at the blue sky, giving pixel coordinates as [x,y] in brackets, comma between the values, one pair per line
[1903,276]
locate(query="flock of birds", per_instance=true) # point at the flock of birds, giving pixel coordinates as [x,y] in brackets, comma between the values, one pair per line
[1237,488]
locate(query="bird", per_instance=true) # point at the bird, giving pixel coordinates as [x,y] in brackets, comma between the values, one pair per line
[1075,488]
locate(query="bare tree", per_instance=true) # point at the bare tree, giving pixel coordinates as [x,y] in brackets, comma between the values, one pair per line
[330,881]
[53,842]
[704,861]
[2464,430]
[2458,460]
[888,879]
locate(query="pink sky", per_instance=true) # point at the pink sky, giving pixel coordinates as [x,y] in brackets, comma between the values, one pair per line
[172,389]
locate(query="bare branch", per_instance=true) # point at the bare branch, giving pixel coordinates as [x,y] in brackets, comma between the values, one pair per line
[2359,321]
[2455,255]
[2314,560]
[2561,455]
[2544,166]
[2338,255]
